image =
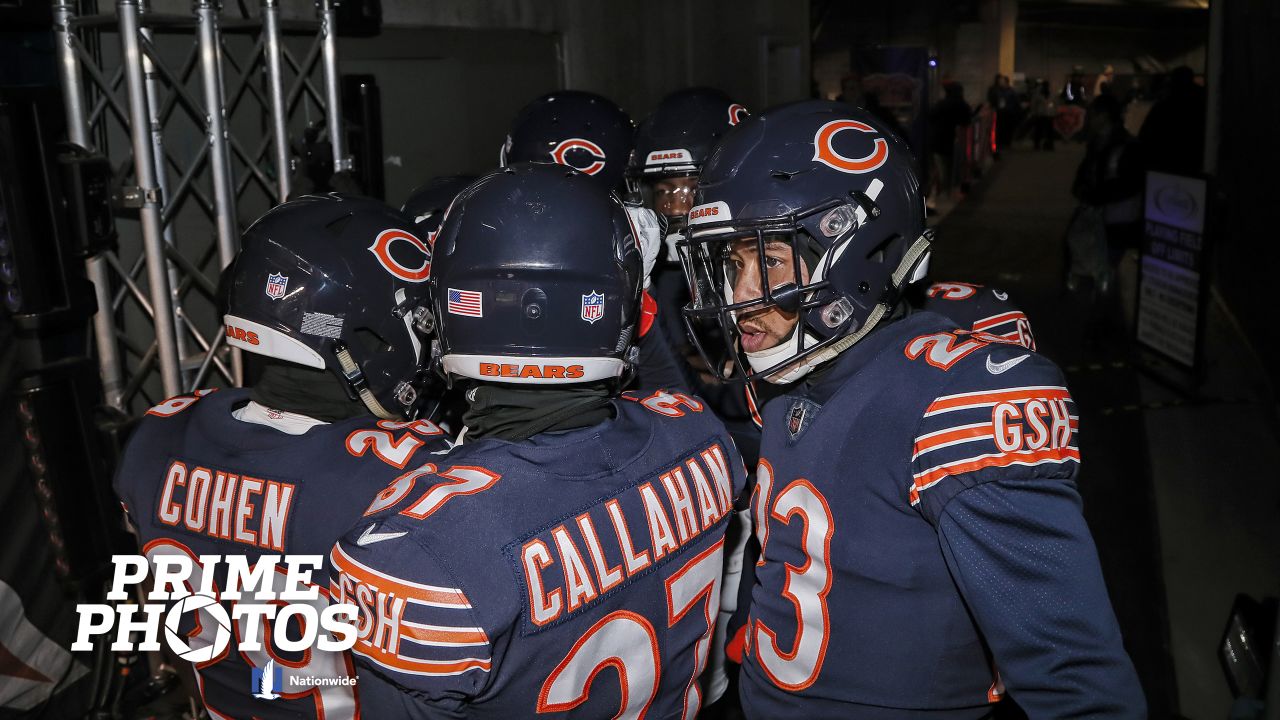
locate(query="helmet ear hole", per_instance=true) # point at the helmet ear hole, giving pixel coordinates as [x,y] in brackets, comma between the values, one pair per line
[879,252]
[369,342]
[336,227]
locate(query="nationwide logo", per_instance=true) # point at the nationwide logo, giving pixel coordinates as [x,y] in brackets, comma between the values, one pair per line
[264,681]
[269,681]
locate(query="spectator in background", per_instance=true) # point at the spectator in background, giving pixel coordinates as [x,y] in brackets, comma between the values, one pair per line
[1102,85]
[871,103]
[1042,111]
[1108,187]
[1004,105]
[1073,91]
[1172,136]
[945,117]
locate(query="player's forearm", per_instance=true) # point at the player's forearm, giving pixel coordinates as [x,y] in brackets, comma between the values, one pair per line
[1025,562]
[658,367]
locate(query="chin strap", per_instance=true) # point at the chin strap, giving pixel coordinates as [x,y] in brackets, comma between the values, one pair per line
[355,378]
[918,252]
[777,355]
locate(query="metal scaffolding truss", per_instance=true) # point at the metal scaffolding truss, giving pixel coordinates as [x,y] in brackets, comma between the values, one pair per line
[160,111]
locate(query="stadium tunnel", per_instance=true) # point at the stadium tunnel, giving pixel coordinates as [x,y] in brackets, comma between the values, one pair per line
[138,140]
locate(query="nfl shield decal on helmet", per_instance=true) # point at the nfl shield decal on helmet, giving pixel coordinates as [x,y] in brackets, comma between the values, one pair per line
[593,306]
[276,283]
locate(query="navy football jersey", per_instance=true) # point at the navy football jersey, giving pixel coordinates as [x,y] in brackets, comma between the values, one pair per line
[575,573]
[966,305]
[980,309]
[922,540]
[196,481]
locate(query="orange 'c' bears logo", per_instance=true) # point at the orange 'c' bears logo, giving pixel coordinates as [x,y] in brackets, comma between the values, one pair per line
[560,154]
[825,153]
[737,113]
[381,249]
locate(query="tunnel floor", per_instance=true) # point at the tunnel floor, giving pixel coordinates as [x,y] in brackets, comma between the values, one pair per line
[1168,476]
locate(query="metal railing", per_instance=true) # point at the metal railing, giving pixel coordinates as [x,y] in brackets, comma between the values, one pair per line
[159,283]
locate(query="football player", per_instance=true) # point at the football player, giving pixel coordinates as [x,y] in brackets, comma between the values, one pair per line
[979,309]
[567,556]
[586,131]
[923,545]
[591,134]
[427,204]
[966,306]
[332,290]
[671,146]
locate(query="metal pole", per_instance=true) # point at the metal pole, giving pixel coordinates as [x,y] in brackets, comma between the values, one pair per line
[156,125]
[219,156]
[149,212]
[275,92]
[332,88]
[1271,708]
[72,83]
[1213,84]
[224,196]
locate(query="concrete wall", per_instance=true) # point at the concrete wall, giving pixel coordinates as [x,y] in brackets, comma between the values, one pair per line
[453,74]
[448,96]
[1045,50]
[1242,237]
[636,51]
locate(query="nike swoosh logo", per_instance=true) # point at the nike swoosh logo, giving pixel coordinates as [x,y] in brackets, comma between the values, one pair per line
[1000,296]
[369,537]
[995,368]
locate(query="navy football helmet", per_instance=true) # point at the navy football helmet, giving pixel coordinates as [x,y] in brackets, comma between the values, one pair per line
[585,131]
[337,282]
[672,144]
[838,190]
[675,140]
[427,204]
[537,279]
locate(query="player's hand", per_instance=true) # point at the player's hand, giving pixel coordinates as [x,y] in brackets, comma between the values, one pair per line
[694,360]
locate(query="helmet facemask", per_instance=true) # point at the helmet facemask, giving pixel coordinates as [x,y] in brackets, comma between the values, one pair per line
[670,196]
[372,352]
[826,312]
